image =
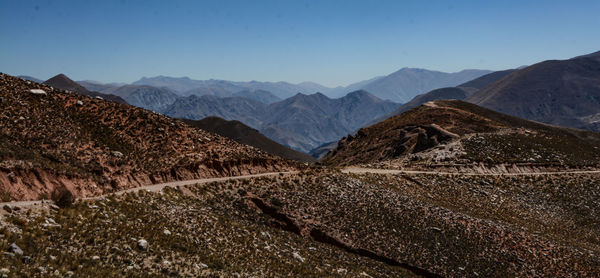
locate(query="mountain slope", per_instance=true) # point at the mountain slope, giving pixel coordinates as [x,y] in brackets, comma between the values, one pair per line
[55,139]
[485,80]
[459,92]
[148,97]
[461,132]
[229,108]
[401,86]
[99,87]
[244,134]
[185,84]
[30,78]
[61,81]
[561,92]
[263,96]
[305,122]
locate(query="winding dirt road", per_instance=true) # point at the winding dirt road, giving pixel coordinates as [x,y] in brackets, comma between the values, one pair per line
[153,187]
[348,170]
[358,170]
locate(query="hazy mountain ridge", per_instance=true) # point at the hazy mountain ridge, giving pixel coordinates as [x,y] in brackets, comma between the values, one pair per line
[229,108]
[400,86]
[459,92]
[404,84]
[148,97]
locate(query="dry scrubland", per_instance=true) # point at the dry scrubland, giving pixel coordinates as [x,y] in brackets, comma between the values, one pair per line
[321,223]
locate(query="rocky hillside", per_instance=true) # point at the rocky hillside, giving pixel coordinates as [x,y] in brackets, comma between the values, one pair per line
[244,134]
[462,133]
[319,224]
[50,139]
[63,82]
[560,92]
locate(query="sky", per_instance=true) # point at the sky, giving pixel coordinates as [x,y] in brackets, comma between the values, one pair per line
[329,42]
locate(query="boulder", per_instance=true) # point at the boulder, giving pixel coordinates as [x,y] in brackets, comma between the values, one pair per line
[38,92]
[142,244]
[15,249]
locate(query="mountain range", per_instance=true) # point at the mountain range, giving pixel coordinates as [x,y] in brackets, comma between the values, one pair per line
[302,122]
[399,86]
[557,92]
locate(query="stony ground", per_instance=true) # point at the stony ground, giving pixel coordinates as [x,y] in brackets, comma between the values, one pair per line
[321,223]
[207,230]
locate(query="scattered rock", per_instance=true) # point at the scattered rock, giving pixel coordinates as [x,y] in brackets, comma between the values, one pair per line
[297,256]
[26,259]
[14,248]
[142,244]
[117,154]
[38,92]
[167,232]
[7,208]
[201,265]
[79,103]
[435,229]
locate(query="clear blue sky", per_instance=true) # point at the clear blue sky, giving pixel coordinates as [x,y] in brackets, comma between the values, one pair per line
[329,42]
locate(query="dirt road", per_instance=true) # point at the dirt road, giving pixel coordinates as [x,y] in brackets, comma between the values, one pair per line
[358,170]
[348,170]
[153,187]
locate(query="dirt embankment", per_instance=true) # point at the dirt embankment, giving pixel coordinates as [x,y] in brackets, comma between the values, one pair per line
[36,184]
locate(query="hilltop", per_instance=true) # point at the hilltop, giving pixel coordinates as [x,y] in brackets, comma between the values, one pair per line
[63,82]
[52,139]
[458,132]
